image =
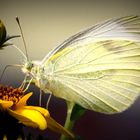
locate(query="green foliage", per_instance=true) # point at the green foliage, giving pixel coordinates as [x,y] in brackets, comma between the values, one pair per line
[2,33]
[4,37]
[77,112]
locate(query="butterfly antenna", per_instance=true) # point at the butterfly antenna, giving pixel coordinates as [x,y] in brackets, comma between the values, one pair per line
[17,19]
[20,51]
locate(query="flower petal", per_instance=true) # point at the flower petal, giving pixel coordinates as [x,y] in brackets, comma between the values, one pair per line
[30,117]
[23,100]
[22,119]
[42,110]
[5,104]
[53,125]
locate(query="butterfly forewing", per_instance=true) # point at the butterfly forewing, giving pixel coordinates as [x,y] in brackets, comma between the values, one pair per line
[118,28]
[99,68]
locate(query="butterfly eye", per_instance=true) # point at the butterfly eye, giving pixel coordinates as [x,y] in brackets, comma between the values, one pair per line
[32,65]
[29,66]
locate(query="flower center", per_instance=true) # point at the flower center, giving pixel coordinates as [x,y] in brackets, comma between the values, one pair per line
[10,93]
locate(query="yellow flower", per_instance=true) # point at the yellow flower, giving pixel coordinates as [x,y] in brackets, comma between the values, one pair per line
[14,102]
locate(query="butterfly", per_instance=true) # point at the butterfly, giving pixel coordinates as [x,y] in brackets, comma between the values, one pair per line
[97,68]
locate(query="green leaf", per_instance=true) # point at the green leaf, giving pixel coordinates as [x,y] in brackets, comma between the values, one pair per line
[77,112]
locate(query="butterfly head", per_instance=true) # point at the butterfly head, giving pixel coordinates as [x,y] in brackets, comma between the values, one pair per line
[31,67]
[36,71]
[28,67]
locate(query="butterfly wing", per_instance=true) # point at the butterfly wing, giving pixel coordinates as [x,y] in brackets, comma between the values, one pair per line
[117,28]
[98,68]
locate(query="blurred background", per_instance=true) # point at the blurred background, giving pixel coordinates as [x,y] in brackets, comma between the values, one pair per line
[46,23]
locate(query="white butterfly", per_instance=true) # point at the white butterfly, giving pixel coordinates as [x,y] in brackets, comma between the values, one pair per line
[98,68]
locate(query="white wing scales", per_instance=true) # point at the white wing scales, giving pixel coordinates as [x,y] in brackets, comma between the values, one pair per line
[99,68]
[118,28]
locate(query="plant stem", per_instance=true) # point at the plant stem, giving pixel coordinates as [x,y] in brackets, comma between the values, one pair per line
[68,123]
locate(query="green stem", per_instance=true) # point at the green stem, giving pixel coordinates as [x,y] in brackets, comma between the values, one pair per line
[68,123]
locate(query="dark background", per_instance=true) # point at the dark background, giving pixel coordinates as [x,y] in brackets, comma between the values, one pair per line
[46,23]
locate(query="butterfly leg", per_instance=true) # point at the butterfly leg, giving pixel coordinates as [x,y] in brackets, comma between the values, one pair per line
[28,84]
[6,67]
[48,101]
[23,83]
[40,97]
